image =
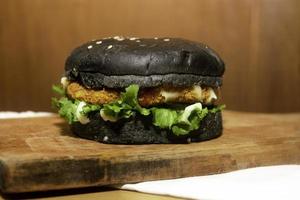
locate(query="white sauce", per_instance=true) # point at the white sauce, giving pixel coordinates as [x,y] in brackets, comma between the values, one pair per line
[107,117]
[212,95]
[197,90]
[64,82]
[169,95]
[81,118]
[188,110]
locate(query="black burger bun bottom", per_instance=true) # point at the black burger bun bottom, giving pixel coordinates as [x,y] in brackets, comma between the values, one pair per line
[149,62]
[140,130]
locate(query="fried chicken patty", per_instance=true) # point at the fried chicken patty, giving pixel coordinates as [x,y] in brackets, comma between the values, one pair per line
[146,97]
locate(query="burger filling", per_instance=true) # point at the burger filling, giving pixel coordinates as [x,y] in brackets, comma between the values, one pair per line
[157,102]
[146,97]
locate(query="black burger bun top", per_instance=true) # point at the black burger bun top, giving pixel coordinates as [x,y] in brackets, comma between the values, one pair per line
[118,62]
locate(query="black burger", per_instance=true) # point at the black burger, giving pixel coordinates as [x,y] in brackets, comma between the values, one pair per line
[142,91]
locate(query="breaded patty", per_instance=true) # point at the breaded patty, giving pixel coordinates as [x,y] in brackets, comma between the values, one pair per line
[147,96]
[170,94]
[76,91]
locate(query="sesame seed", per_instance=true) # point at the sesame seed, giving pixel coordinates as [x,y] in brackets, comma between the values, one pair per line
[75,71]
[138,40]
[99,42]
[89,47]
[110,46]
[167,40]
[133,38]
[119,38]
[105,139]
[155,38]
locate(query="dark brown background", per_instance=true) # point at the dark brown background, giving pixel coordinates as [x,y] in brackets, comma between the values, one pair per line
[258,39]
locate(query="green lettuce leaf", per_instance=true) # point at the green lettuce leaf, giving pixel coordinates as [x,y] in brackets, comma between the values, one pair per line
[118,110]
[66,108]
[181,122]
[130,97]
[164,118]
[90,108]
[186,124]
[218,108]
[126,106]
[58,89]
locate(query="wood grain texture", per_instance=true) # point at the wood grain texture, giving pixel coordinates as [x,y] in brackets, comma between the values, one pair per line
[87,193]
[258,39]
[41,153]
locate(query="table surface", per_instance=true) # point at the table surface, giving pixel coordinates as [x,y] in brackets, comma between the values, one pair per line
[278,133]
[88,193]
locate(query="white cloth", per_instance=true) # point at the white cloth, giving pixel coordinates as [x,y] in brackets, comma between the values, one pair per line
[272,182]
[10,115]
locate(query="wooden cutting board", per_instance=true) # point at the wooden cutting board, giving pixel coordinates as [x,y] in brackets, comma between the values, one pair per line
[41,153]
